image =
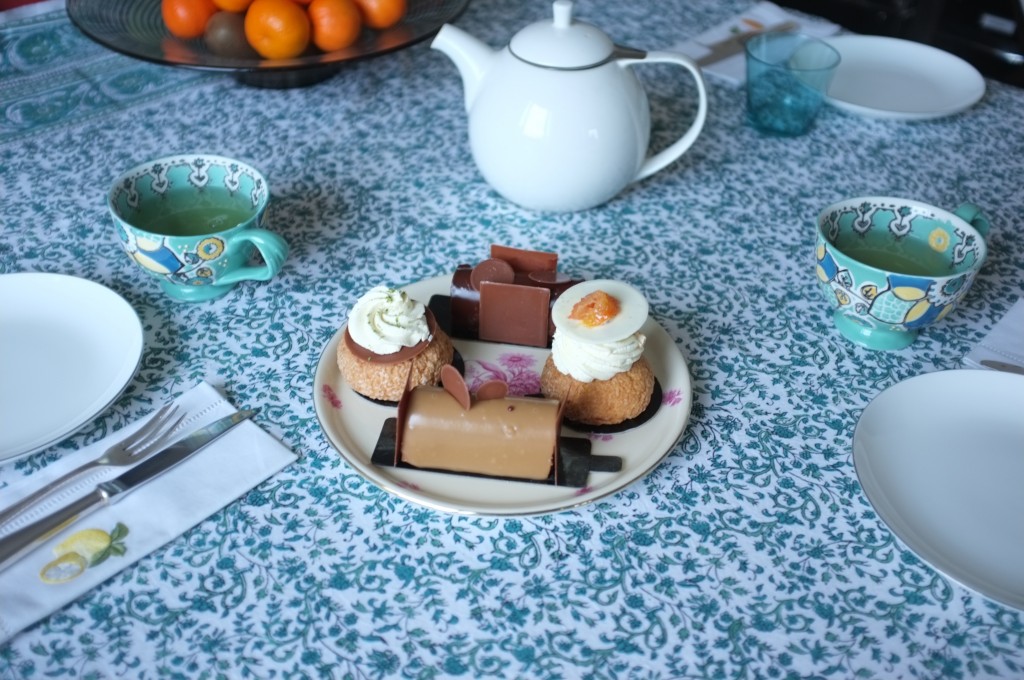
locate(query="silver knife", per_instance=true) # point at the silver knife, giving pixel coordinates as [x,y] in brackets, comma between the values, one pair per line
[1003,366]
[17,544]
[734,43]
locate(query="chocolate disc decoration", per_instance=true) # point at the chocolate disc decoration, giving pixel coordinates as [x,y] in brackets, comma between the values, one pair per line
[455,385]
[549,278]
[492,389]
[494,270]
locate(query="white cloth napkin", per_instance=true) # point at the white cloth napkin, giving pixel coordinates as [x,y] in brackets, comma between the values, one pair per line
[1005,342]
[153,515]
[761,16]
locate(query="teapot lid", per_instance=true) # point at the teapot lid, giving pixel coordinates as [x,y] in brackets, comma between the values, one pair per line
[562,43]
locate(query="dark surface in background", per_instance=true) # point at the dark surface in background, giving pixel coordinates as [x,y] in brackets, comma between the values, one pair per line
[987,33]
[11,4]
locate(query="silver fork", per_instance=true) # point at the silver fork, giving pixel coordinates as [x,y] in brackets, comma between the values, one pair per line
[133,448]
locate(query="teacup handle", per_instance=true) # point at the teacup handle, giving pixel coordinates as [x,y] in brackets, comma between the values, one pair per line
[272,247]
[669,154]
[971,214]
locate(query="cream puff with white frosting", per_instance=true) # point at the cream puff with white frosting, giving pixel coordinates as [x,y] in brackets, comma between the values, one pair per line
[597,366]
[390,339]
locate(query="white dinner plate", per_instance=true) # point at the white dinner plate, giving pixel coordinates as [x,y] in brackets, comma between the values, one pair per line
[886,77]
[941,458]
[353,424]
[68,348]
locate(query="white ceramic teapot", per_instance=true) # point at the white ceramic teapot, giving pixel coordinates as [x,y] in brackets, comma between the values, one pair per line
[557,119]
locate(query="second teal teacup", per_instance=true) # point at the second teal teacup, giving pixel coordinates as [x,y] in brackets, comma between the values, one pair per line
[891,266]
[194,222]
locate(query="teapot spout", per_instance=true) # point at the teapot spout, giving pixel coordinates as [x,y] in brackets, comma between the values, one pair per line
[472,57]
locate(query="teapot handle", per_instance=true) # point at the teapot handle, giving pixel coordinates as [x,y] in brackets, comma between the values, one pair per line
[668,155]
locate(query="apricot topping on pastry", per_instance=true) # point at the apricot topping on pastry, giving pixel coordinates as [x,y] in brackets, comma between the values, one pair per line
[595,309]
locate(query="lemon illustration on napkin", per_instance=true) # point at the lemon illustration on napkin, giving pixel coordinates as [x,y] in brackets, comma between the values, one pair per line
[81,550]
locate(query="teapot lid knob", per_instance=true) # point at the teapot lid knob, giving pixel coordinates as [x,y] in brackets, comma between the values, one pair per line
[563,13]
[562,43]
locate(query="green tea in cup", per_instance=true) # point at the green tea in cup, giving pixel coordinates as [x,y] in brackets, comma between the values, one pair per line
[219,211]
[195,222]
[909,256]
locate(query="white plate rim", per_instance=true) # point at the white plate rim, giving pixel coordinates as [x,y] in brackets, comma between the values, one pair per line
[561,499]
[121,326]
[965,86]
[880,492]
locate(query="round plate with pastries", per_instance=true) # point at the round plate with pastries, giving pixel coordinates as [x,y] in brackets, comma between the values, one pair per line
[353,424]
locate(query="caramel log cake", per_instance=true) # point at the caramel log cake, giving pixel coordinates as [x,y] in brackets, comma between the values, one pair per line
[391,339]
[447,428]
[507,297]
[507,437]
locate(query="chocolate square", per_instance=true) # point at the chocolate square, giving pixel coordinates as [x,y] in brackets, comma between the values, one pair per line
[526,261]
[514,314]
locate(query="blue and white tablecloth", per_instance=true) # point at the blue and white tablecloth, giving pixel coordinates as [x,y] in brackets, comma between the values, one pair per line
[749,552]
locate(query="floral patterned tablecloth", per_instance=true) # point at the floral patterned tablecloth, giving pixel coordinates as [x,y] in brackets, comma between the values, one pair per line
[750,551]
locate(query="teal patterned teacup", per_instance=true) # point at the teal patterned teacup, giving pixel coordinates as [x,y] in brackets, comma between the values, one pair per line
[891,266]
[195,223]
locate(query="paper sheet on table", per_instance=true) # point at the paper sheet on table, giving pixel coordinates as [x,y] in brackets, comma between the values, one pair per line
[1005,342]
[762,15]
[163,509]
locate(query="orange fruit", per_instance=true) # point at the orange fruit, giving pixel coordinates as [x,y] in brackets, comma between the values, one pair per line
[381,13]
[336,23]
[187,19]
[233,5]
[277,29]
